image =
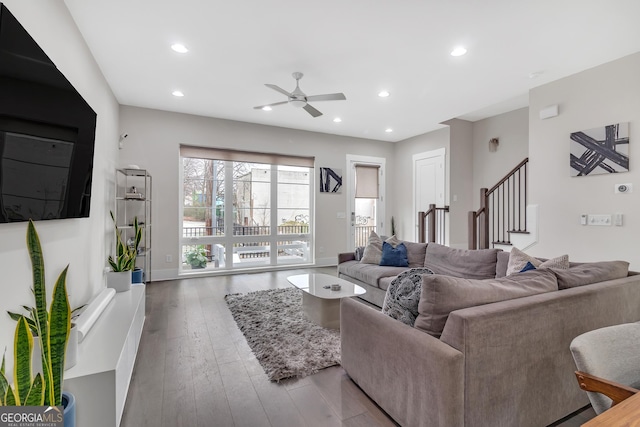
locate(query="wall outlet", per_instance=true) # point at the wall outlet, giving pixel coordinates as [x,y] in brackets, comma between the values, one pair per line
[321,249]
[600,220]
[169,258]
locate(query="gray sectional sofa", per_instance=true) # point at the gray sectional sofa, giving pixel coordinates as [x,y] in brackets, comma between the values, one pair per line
[505,363]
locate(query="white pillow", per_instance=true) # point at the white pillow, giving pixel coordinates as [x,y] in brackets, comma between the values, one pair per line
[373,251]
[518,260]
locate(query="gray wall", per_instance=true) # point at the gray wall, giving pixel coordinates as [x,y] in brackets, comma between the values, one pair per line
[405,217]
[600,96]
[512,129]
[461,181]
[82,243]
[153,144]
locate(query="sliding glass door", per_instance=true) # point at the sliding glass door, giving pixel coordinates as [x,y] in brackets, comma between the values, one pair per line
[243,214]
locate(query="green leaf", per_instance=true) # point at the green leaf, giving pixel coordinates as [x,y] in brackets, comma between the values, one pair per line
[41,316]
[10,398]
[4,384]
[60,325]
[36,392]
[23,346]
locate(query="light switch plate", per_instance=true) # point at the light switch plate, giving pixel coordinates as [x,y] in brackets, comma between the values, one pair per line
[600,220]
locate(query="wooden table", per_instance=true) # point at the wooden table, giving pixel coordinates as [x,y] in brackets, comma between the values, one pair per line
[624,414]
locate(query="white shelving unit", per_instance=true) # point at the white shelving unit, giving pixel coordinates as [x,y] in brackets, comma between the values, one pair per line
[133,199]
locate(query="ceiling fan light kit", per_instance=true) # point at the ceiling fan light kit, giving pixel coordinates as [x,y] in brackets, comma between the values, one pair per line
[299,99]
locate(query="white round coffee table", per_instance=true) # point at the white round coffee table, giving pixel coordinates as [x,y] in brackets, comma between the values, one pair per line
[320,303]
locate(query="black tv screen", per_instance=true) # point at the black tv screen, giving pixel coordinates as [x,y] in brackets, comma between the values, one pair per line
[47,133]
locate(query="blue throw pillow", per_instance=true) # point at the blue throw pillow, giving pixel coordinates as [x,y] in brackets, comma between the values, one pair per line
[394,257]
[528,267]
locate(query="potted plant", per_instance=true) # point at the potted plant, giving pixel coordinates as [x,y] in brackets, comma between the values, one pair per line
[197,258]
[125,259]
[53,328]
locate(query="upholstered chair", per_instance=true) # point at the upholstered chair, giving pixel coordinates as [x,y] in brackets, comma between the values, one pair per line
[608,362]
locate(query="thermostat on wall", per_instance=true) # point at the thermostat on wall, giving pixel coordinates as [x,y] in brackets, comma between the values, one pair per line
[623,188]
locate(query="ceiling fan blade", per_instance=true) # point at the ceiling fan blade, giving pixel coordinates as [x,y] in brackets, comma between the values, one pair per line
[278,89]
[327,97]
[259,107]
[309,109]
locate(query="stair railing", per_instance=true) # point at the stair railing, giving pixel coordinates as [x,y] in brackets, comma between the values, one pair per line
[503,210]
[432,225]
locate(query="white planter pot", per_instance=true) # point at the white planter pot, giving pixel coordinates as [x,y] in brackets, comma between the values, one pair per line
[119,280]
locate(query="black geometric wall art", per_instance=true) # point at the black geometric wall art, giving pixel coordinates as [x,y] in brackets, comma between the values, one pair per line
[600,150]
[330,180]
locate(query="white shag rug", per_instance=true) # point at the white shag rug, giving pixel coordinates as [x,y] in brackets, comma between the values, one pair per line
[285,342]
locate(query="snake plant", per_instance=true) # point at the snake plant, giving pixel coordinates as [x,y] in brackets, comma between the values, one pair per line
[125,258]
[53,328]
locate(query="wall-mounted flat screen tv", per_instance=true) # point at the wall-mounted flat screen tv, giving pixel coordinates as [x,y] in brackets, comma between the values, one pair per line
[47,133]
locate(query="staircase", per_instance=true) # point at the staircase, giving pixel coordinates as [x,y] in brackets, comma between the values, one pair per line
[503,214]
[432,225]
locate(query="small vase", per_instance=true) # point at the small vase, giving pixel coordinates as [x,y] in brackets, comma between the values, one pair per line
[69,412]
[137,275]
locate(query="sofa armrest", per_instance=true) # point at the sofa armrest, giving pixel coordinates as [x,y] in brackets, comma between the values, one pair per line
[347,256]
[414,377]
[521,348]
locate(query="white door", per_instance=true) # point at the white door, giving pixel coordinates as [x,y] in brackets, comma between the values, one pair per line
[364,215]
[429,181]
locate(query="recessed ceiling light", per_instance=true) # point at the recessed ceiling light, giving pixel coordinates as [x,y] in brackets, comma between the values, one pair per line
[177,93]
[337,120]
[383,94]
[266,108]
[388,130]
[458,51]
[179,47]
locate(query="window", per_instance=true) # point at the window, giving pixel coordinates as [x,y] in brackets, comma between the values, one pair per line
[239,214]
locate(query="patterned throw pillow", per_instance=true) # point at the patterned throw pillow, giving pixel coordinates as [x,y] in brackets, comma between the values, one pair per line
[403,295]
[518,260]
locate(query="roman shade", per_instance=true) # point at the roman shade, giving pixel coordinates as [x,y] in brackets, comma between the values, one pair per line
[245,156]
[367,181]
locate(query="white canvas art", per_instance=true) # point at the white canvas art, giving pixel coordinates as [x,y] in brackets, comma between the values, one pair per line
[600,150]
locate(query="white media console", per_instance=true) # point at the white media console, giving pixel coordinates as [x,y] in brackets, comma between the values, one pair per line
[106,356]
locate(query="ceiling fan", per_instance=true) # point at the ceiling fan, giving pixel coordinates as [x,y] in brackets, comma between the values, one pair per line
[298,99]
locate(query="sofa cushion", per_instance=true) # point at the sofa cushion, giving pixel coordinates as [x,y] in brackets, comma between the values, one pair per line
[384,282]
[501,264]
[591,272]
[368,273]
[518,260]
[394,256]
[416,253]
[373,251]
[403,295]
[443,294]
[472,264]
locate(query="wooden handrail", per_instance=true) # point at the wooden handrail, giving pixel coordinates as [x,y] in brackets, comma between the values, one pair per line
[435,227]
[508,175]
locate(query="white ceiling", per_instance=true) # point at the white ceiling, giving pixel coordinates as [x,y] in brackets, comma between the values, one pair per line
[357,47]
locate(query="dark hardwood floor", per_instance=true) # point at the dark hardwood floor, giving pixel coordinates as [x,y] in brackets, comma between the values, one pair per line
[195,369]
